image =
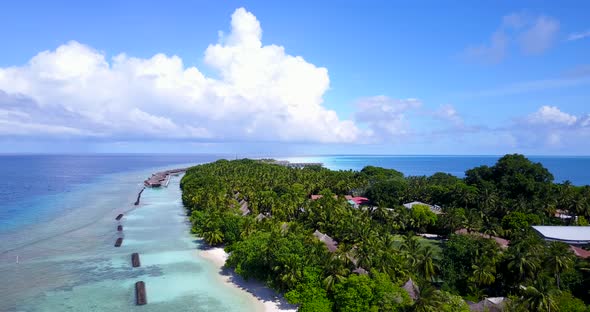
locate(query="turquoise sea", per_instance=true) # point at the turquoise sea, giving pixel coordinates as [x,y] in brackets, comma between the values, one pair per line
[57,230]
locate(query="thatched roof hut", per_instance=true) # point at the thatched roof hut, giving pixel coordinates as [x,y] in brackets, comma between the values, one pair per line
[412,289]
[492,304]
[327,240]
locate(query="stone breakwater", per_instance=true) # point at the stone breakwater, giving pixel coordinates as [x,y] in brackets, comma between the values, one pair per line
[161,178]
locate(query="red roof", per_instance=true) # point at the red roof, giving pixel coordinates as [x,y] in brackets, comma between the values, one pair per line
[582,253]
[360,200]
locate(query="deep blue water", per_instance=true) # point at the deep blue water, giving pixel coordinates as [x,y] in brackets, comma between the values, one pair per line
[32,186]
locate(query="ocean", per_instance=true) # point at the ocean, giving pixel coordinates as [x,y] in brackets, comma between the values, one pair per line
[58,227]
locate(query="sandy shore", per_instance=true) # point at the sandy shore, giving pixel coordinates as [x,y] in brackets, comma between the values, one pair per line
[269,299]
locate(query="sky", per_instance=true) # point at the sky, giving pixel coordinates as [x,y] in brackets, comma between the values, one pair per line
[297,77]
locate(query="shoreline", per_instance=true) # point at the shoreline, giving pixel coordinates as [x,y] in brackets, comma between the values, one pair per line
[267,299]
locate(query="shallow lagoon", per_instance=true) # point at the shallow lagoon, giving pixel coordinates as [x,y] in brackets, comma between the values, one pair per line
[70,263]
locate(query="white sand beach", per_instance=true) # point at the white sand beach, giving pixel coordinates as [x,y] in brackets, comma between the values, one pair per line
[270,300]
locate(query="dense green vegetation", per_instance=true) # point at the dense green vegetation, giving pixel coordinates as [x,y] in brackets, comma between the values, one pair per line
[378,250]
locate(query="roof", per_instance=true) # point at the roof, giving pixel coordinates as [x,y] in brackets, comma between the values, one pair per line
[244,207]
[327,240]
[360,271]
[582,253]
[568,234]
[412,289]
[434,208]
[492,304]
[501,241]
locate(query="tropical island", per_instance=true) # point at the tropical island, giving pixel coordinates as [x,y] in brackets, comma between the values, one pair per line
[375,240]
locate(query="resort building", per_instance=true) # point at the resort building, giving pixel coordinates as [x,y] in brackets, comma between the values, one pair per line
[354,201]
[501,241]
[330,243]
[492,304]
[434,208]
[574,235]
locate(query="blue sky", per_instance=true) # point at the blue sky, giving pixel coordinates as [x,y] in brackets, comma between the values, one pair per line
[300,77]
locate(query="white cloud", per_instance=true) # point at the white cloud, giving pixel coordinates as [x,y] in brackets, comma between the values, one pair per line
[551,127]
[533,34]
[551,115]
[578,35]
[449,113]
[262,93]
[385,117]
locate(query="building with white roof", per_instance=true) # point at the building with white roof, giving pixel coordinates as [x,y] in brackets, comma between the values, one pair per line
[576,235]
[434,208]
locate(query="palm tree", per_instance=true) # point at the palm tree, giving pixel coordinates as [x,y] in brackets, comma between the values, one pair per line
[522,260]
[483,274]
[426,265]
[429,300]
[559,259]
[410,247]
[337,270]
[213,237]
[538,299]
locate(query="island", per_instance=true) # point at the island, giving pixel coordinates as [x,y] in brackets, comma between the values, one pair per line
[376,240]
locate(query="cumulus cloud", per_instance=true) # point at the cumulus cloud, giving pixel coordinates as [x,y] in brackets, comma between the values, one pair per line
[533,35]
[551,115]
[385,116]
[261,93]
[550,126]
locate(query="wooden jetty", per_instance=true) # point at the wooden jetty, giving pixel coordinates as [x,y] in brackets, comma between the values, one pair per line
[119,242]
[140,295]
[119,228]
[159,178]
[135,260]
[119,217]
[139,196]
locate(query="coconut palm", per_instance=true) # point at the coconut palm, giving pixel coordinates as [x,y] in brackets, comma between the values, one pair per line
[539,299]
[483,274]
[213,237]
[559,258]
[426,265]
[429,300]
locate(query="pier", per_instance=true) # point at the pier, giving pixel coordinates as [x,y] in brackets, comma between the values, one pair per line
[139,197]
[162,178]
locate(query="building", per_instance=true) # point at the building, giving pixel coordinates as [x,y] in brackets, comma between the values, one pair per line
[501,241]
[330,243]
[574,235]
[354,201]
[492,304]
[434,208]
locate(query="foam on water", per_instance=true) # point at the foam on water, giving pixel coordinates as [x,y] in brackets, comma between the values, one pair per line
[77,268]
